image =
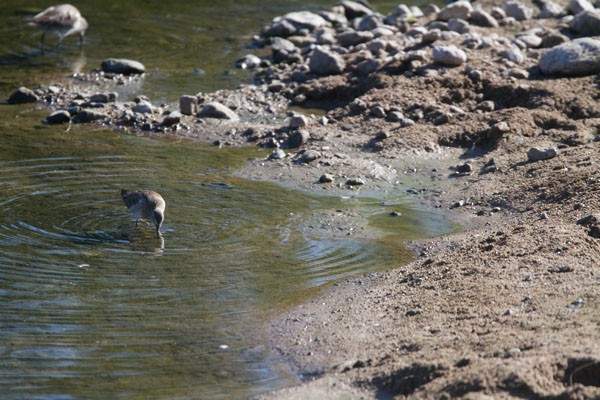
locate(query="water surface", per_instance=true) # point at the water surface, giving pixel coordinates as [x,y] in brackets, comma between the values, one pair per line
[94,306]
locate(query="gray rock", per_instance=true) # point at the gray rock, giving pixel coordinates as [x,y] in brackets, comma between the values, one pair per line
[578,57]
[512,53]
[298,121]
[58,117]
[394,116]
[305,20]
[23,95]
[174,117]
[355,182]
[449,55]
[325,62]
[281,44]
[551,9]
[326,178]
[367,67]
[188,104]
[369,22]
[460,9]
[531,41]
[517,10]
[483,18]
[459,25]
[540,154]
[378,112]
[218,110]
[431,36]
[487,105]
[586,23]
[553,39]
[277,154]
[298,138]
[310,156]
[577,6]
[86,115]
[143,107]
[353,9]
[352,38]
[122,66]
[249,61]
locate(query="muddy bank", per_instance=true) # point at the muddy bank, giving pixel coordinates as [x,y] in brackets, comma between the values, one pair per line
[471,108]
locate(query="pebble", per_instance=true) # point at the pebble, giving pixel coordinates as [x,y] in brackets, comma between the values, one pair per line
[298,121]
[551,9]
[326,178]
[277,154]
[249,61]
[577,6]
[449,55]
[143,107]
[540,154]
[483,18]
[298,137]
[309,156]
[325,62]
[465,168]
[58,117]
[355,182]
[354,9]
[122,66]
[518,10]
[577,57]
[305,20]
[511,353]
[460,9]
[217,110]
[188,104]
[23,95]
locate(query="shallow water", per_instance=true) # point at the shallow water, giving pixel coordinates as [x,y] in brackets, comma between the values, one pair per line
[94,306]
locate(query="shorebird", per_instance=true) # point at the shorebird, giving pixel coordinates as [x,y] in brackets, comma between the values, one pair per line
[145,204]
[62,20]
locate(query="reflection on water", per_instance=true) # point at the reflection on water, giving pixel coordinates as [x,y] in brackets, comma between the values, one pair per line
[93,303]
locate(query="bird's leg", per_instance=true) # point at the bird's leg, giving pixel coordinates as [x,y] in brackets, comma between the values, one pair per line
[81,40]
[42,41]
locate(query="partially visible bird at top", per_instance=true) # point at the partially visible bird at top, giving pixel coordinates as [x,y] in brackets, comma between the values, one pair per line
[145,204]
[62,20]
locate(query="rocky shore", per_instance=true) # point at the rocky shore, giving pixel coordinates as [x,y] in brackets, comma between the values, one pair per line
[493,110]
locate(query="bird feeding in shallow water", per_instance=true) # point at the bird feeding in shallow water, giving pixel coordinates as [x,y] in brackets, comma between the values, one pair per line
[145,204]
[62,20]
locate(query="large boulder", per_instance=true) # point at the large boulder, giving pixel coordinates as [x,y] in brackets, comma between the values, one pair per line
[578,57]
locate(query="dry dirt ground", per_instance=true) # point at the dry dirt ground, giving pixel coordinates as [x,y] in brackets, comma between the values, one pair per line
[507,308]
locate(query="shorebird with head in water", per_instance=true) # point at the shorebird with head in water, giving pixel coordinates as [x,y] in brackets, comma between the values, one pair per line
[145,204]
[62,20]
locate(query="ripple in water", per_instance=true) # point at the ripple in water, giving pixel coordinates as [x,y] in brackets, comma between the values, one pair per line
[93,303]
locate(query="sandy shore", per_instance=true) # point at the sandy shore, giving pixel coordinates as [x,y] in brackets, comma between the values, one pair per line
[507,308]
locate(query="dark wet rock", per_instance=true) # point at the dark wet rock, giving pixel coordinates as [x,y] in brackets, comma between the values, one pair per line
[86,116]
[577,6]
[578,57]
[378,112]
[188,104]
[122,66]
[369,23]
[553,39]
[517,10]
[58,117]
[353,9]
[588,220]
[449,55]
[540,154]
[249,61]
[460,9]
[483,18]
[305,20]
[487,105]
[218,110]
[551,9]
[298,137]
[465,168]
[586,23]
[173,118]
[394,116]
[325,62]
[326,178]
[23,95]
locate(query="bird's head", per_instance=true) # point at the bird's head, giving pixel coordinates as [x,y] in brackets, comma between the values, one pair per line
[158,218]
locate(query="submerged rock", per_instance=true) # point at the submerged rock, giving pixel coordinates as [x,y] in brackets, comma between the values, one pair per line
[122,66]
